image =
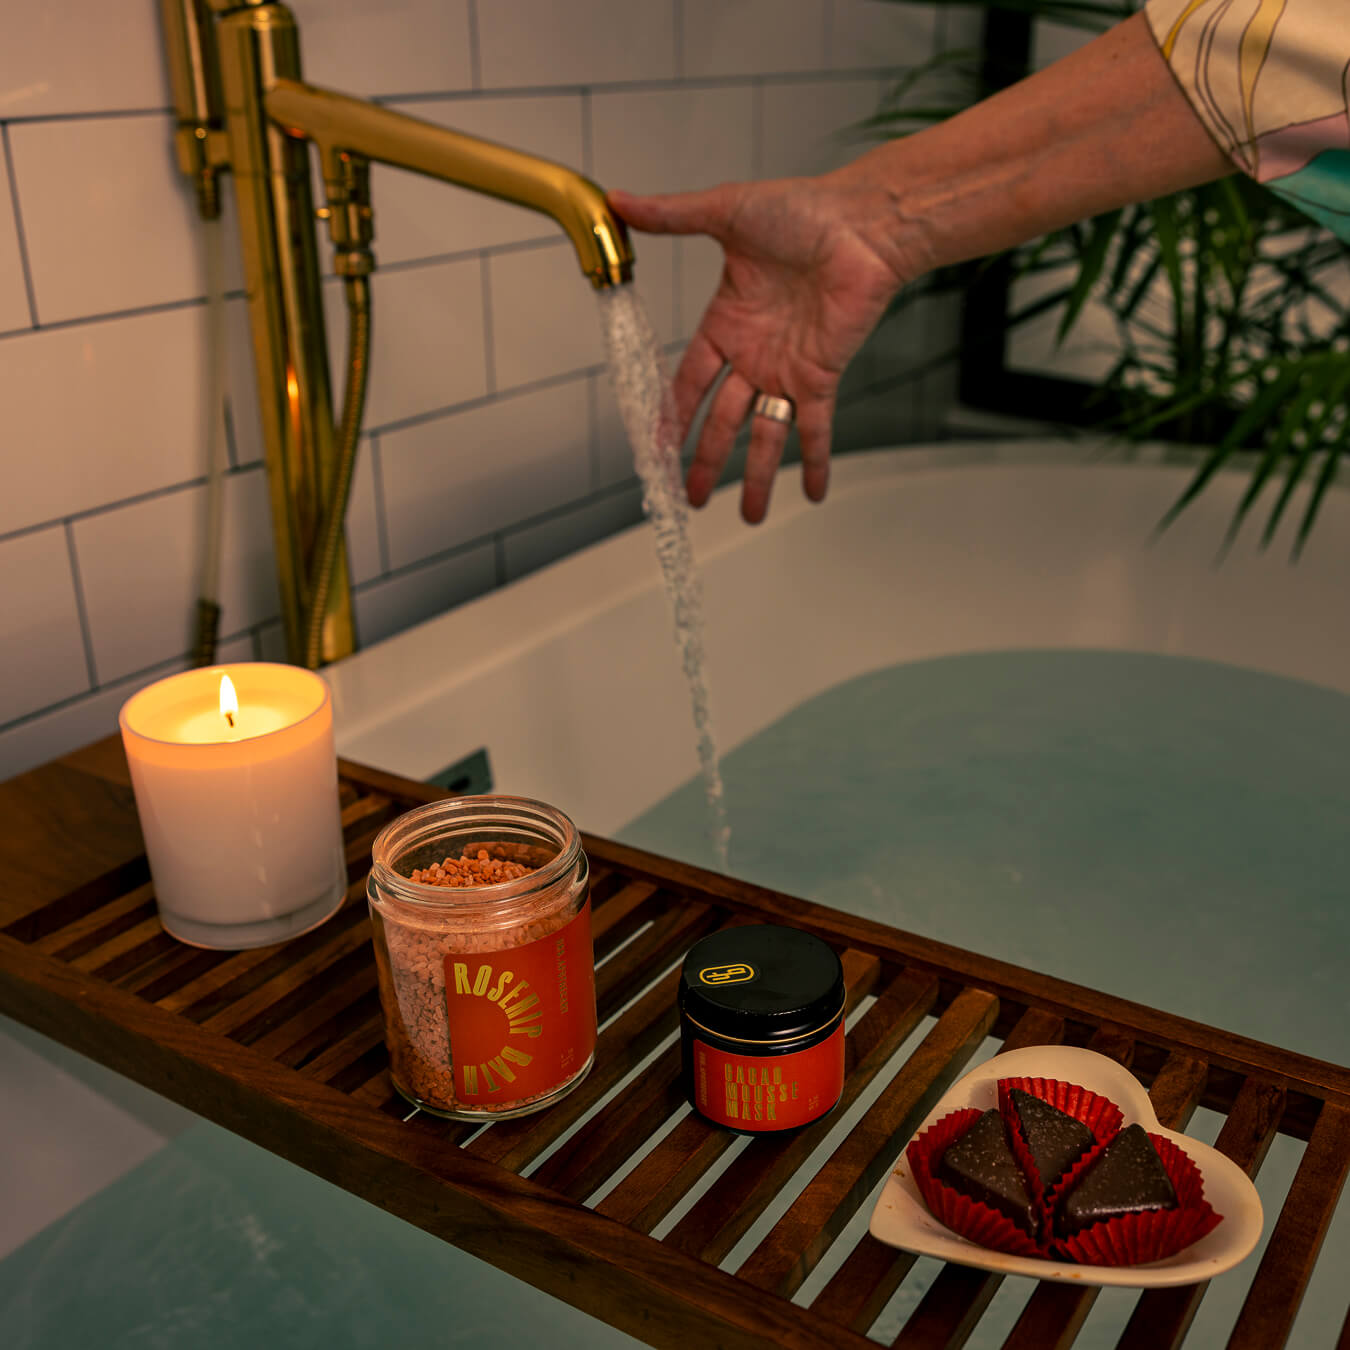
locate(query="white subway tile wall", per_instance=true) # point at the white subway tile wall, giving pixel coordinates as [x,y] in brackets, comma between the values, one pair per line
[493,446]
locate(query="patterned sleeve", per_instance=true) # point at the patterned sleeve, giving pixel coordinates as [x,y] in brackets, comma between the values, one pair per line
[1270,80]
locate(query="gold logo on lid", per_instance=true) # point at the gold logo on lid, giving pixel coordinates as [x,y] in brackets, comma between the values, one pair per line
[736,972]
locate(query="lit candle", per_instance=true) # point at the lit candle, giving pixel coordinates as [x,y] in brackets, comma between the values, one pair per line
[235,776]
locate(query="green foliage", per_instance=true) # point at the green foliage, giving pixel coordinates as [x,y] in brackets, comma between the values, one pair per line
[1231,309]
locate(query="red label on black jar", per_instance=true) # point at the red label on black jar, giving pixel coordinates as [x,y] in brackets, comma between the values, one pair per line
[769,1092]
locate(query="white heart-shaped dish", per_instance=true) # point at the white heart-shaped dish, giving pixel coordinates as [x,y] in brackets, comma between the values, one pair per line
[903,1220]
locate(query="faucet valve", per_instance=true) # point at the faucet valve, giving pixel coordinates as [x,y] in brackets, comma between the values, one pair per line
[350,216]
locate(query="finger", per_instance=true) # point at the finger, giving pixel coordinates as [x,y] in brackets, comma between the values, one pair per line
[815,420]
[726,416]
[768,437]
[698,371]
[673,212]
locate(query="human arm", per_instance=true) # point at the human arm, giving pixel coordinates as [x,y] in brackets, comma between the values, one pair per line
[810,264]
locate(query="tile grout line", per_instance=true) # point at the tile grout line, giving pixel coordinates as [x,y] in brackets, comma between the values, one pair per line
[593,425]
[136,499]
[757,129]
[475,51]
[489,355]
[81,607]
[381,519]
[165,666]
[163,307]
[677,16]
[665,84]
[497,538]
[20,236]
[199,301]
[587,135]
[91,115]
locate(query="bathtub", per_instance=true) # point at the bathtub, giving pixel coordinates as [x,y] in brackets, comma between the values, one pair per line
[569,679]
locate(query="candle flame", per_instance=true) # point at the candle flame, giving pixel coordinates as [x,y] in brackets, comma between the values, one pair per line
[229,700]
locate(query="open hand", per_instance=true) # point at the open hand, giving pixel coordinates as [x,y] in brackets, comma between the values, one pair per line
[802,286]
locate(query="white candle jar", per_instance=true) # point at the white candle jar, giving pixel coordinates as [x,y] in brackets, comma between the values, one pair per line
[240,814]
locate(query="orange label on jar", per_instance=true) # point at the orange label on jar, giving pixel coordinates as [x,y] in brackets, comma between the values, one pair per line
[521,1020]
[777,1092]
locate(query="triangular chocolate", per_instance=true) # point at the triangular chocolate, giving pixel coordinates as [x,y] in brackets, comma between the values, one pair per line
[981,1165]
[1054,1138]
[1128,1177]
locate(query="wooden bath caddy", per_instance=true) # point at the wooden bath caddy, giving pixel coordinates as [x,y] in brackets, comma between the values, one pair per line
[284,1046]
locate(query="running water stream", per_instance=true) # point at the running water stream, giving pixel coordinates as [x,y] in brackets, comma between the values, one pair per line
[642,388]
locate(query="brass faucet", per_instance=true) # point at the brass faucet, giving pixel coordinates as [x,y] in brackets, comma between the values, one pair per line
[243,107]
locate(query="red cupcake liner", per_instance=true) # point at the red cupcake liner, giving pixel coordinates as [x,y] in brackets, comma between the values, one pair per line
[968,1218]
[1135,1239]
[1101,1115]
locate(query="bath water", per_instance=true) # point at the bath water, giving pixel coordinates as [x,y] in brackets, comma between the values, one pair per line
[1171,830]
[642,390]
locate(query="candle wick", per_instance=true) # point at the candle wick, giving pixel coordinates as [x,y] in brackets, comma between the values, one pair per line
[229,717]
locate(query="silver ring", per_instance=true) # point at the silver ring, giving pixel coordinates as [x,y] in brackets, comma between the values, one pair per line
[774,408]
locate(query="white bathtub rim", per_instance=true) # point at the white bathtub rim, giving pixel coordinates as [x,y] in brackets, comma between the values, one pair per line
[391,678]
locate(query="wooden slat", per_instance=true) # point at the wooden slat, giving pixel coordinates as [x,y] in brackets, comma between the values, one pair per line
[1021,987]
[950,1309]
[1162,1317]
[297,1037]
[293,979]
[1176,1091]
[863,1285]
[343,1053]
[1272,1301]
[1055,1313]
[94,958]
[620,916]
[227,982]
[171,970]
[662,1179]
[362,809]
[667,940]
[621,1047]
[286,1044]
[630,1281]
[955,1301]
[87,930]
[606,1141]
[802,1236]
[726,1211]
[666,1175]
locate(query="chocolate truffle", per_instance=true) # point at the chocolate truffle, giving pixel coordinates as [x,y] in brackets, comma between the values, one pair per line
[1127,1177]
[981,1165]
[1054,1138]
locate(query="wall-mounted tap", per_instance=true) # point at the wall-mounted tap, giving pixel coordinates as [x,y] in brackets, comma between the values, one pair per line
[244,107]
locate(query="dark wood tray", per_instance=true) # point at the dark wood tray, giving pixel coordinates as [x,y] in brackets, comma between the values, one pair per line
[284,1046]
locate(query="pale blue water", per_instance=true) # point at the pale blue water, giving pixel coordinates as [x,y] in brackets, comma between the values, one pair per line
[1170,830]
[1173,831]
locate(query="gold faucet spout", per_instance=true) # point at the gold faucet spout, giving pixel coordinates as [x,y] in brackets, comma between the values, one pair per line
[344,127]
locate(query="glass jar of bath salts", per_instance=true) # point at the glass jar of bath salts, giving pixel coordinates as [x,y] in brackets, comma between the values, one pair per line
[482,935]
